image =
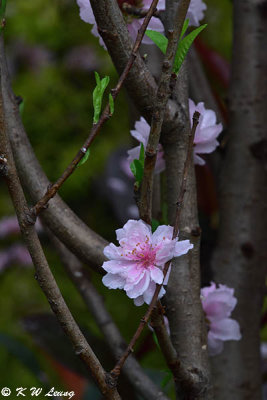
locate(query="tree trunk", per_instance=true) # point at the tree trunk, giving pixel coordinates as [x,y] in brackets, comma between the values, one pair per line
[240,258]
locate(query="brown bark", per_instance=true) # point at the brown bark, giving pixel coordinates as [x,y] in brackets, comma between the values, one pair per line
[240,258]
[182,300]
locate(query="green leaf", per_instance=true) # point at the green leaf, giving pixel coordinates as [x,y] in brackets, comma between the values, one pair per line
[183,47]
[137,170]
[3,9]
[185,26]
[21,107]
[142,155]
[111,104]
[154,224]
[84,159]
[160,40]
[166,379]
[98,93]
[156,339]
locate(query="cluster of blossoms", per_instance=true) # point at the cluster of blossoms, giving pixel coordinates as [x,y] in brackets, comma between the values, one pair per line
[218,304]
[195,14]
[205,137]
[207,131]
[137,264]
[141,133]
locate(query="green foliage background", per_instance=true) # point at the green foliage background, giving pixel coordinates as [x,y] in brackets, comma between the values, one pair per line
[57,116]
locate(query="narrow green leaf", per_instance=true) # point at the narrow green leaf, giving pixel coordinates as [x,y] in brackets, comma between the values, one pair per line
[111,104]
[154,224]
[3,8]
[97,79]
[160,40]
[142,155]
[185,26]
[183,47]
[84,159]
[98,93]
[21,107]
[156,340]
[137,170]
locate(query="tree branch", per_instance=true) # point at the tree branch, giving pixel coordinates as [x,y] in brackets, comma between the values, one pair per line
[43,273]
[159,105]
[182,300]
[240,258]
[78,237]
[117,369]
[140,84]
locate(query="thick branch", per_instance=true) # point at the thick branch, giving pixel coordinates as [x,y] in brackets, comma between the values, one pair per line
[140,84]
[132,370]
[80,239]
[182,300]
[43,273]
[240,258]
[163,94]
[116,370]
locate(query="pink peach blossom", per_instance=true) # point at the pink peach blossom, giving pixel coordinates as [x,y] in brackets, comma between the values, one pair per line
[133,23]
[196,12]
[218,304]
[137,264]
[207,131]
[141,134]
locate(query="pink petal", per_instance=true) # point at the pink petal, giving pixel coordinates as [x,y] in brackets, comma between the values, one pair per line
[113,252]
[141,131]
[148,295]
[206,147]
[165,252]
[156,274]
[117,267]
[208,289]
[198,160]
[215,346]
[139,301]
[225,329]
[140,288]
[219,304]
[182,247]
[133,232]
[113,281]
[163,231]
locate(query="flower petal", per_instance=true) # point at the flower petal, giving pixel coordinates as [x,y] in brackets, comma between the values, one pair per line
[182,247]
[225,329]
[113,281]
[215,346]
[156,274]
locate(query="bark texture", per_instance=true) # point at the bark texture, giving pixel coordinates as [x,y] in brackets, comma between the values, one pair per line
[182,301]
[240,258]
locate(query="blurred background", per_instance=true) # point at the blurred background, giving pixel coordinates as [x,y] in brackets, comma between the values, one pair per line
[52,57]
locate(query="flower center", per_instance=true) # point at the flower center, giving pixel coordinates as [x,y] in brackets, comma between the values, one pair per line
[144,253]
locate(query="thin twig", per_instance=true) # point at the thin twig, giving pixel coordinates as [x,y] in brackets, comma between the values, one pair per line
[53,189]
[163,93]
[44,275]
[117,369]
